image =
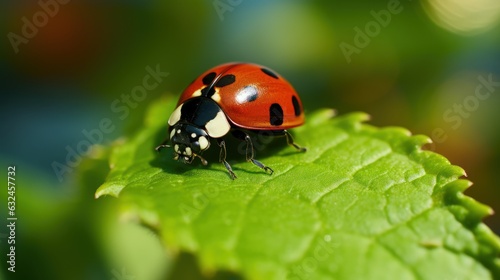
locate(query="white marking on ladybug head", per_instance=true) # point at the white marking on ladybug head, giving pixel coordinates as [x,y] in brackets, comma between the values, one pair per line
[203,141]
[216,96]
[176,148]
[193,135]
[188,151]
[196,93]
[176,116]
[178,131]
[218,126]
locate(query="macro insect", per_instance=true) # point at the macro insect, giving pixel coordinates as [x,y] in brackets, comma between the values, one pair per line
[233,98]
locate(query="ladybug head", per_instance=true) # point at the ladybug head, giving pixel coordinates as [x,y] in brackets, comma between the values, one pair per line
[189,142]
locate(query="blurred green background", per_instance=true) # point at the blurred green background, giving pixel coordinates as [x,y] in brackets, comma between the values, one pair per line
[430,66]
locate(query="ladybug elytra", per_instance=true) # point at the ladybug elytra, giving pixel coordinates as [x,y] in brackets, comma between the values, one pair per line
[235,98]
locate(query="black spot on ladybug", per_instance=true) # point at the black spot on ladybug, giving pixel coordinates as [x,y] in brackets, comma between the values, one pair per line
[208,91]
[225,80]
[276,114]
[208,78]
[269,73]
[296,106]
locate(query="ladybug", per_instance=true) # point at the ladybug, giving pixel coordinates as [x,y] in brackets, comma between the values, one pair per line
[235,98]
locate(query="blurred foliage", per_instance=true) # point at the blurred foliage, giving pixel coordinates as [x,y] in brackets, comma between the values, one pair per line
[89,55]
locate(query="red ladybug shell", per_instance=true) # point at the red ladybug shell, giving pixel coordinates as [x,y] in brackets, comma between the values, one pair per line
[252,96]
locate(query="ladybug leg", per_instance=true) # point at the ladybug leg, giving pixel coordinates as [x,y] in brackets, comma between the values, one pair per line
[289,140]
[222,158]
[249,155]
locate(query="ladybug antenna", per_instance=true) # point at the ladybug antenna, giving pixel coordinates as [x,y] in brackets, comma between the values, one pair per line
[161,147]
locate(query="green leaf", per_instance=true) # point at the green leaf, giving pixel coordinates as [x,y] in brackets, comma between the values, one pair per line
[361,203]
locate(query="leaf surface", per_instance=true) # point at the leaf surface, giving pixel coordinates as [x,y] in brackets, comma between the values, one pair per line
[361,203]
